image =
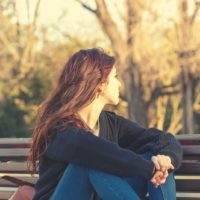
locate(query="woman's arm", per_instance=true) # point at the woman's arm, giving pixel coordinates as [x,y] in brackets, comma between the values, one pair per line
[140,140]
[81,147]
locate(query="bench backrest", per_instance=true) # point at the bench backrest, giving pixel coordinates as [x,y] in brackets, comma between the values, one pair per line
[14,151]
[188,175]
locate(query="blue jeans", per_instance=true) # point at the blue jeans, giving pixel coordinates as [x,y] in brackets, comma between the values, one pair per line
[80,183]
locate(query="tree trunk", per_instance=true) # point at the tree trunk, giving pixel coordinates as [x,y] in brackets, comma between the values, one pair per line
[185,62]
[134,92]
[187,103]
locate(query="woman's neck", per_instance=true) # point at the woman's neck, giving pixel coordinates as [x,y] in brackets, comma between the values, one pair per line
[90,115]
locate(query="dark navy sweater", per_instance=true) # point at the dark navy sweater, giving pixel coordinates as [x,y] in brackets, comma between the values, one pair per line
[117,151]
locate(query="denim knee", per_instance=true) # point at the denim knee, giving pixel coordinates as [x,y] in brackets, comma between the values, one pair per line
[111,187]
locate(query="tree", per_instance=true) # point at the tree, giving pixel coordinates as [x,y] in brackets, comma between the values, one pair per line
[27,73]
[187,54]
[124,49]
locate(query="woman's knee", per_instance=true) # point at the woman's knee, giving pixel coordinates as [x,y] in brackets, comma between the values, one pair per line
[75,170]
[110,186]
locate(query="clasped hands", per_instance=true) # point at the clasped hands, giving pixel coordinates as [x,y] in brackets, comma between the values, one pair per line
[162,164]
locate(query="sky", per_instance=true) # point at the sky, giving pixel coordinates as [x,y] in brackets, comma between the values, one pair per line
[67,15]
[51,10]
[70,17]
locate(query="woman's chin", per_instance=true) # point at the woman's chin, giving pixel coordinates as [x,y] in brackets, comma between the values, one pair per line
[116,101]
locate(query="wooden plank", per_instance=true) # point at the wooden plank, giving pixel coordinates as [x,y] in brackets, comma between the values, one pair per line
[5,183]
[14,167]
[191,150]
[15,142]
[187,185]
[15,146]
[191,157]
[13,154]
[188,196]
[189,168]
[188,137]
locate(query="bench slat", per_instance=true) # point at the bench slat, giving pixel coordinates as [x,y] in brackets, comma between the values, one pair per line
[5,183]
[189,168]
[191,150]
[15,142]
[13,154]
[188,196]
[188,185]
[14,167]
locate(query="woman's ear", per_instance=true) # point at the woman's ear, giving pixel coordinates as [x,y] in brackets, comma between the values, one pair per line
[103,86]
[101,89]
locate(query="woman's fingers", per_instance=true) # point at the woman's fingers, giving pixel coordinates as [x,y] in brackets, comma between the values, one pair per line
[162,162]
[171,167]
[157,179]
[166,174]
[156,163]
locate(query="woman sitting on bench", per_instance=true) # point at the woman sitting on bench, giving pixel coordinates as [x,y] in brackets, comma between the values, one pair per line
[84,152]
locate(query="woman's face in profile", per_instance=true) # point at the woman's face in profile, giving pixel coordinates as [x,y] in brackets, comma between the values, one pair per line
[111,90]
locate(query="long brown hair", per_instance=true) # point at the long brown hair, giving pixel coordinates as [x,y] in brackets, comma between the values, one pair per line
[77,86]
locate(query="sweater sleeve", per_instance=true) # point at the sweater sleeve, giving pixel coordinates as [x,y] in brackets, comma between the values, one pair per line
[140,140]
[84,148]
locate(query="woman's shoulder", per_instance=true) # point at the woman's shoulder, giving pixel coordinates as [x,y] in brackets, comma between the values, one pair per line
[109,113]
[67,130]
[114,116]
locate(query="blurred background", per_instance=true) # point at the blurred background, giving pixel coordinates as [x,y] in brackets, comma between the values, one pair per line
[156,44]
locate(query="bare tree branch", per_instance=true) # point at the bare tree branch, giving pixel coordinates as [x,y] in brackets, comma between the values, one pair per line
[64,34]
[109,27]
[28,10]
[31,34]
[35,18]
[86,6]
[193,17]
[161,91]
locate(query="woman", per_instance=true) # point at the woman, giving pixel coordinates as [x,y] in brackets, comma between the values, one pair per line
[86,153]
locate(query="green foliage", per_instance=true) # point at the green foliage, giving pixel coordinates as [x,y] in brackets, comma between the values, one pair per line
[12,120]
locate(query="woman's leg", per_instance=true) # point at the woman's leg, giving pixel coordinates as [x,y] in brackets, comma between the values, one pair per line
[111,187]
[139,185]
[79,183]
[74,185]
[166,191]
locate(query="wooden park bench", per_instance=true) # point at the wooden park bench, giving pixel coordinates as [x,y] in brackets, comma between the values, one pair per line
[13,155]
